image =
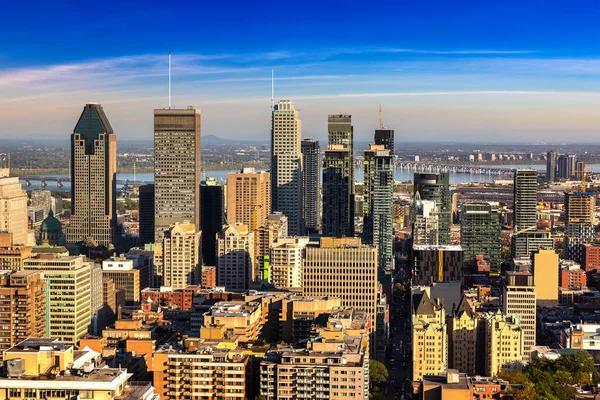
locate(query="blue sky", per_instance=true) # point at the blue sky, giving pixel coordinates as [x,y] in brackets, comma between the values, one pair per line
[460,71]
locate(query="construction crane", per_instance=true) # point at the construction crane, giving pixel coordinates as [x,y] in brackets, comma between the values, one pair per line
[584,175]
[380,118]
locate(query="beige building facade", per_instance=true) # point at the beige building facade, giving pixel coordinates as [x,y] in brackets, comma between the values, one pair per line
[13,208]
[182,257]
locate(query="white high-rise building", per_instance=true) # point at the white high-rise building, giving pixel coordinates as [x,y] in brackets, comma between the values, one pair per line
[235,257]
[286,262]
[286,165]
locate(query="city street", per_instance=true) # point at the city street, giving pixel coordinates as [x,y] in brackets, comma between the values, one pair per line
[399,362]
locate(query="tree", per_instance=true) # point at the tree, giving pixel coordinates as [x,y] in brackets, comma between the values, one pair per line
[378,373]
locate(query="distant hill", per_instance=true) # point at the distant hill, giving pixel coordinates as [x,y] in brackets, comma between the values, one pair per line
[209,140]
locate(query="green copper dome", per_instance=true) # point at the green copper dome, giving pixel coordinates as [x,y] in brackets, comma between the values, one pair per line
[51,223]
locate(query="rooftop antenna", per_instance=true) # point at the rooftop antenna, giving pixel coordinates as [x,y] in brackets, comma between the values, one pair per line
[272,90]
[380,118]
[169,79]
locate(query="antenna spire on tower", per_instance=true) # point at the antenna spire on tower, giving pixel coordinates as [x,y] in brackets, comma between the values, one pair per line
[272,90]
[380,118]
[169,78]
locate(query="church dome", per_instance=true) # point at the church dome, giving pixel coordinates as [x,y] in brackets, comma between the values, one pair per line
[51,223]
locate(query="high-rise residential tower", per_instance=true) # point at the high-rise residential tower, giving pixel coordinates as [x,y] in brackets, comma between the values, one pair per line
[286,165]
[436,187]
[480,235]
[378,200]
[551,159]
[580,223]
[211,218]
[525,199]
[338,198]
[93,179]
[13,208]
[340,132]
[182,261]
[519,299]
[311,184]
[176,168]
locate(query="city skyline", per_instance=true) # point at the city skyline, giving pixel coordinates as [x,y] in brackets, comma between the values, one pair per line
[437,75]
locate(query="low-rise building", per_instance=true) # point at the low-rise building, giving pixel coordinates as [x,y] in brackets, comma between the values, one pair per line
[571,275]
[239,318]
[44,368]
[455,385]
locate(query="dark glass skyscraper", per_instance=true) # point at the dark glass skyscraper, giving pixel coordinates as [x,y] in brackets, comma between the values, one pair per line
[385,137]
[93,179]
[311,160]
[436,186]
[378,199]
[480,235]
[146,196]
[211,218]
[338,201]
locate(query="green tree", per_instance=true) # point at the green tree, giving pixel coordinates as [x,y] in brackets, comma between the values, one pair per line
[378,373]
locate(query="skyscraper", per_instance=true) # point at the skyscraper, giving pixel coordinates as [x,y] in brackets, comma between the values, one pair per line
[340,132]
[436,187]
[525,199]
[338,198]
[13,208]
[146,198]
[211,218]
[311,184]
[385,137]
[378,200]
[286,165]
[93,176]
[563,167]
[425,222]
[248,197]
[176,168]
[480,235]
[551,158]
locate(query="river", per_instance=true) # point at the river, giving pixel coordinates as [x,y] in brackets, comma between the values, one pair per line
[399,176]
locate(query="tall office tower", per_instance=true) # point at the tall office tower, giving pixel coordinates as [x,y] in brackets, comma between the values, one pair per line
[338,195]
[68,291]
[546,268]
[181,256]
[580,223]
[311,184]
[286,262]
[378,199]
[109,302]
[212,218]
[572,160]
[343,268]
[248,198]
[146,199]
[525,199]
[429,336]
[286,165]
[385,138]
[23,307]
[579,167]
[551,166]
[425,222]
[566,165]
[275,226]
[176,168]
[480,235]
[503,343]
[437,264]
[13,208]
[93,179]
[519,298]
[235,257]
[340,132]
[436,187]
